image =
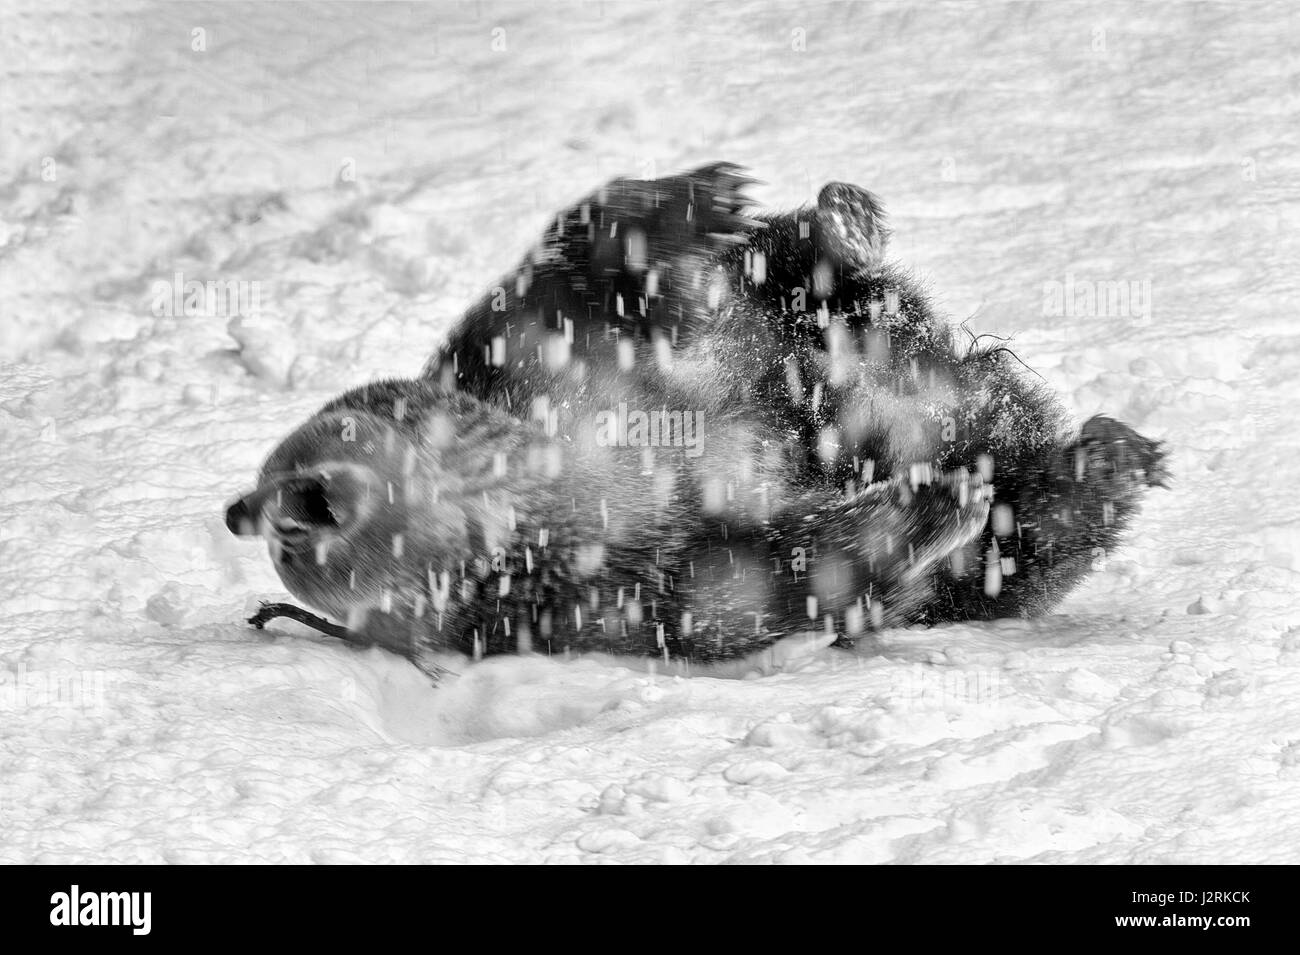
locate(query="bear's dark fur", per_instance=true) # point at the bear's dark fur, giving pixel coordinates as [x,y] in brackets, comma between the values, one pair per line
[678,430]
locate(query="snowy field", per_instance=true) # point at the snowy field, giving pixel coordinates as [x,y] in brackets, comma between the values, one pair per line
[366,170]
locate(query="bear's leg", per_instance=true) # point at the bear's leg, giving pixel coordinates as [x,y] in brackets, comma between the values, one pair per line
[630,227]
[873,556]
[1053,522]
[635,258]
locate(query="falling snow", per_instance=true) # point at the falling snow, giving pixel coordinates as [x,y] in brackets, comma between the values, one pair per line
[374,170]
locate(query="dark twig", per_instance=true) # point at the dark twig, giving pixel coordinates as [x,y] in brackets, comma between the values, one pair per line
[267,612]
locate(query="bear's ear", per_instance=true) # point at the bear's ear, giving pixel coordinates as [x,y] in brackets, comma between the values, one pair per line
[852,225]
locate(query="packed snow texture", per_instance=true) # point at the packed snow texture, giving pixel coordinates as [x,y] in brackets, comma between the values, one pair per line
[367,170]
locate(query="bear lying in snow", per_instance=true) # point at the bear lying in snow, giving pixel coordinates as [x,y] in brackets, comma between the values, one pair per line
[678,429]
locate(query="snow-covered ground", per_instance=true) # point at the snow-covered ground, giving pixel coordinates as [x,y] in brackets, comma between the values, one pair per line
[366,169]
